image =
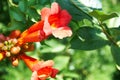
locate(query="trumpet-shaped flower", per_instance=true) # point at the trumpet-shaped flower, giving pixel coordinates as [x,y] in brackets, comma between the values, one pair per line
[41,69]
[56,21]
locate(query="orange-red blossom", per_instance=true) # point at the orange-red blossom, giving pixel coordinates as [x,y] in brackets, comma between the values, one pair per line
[54,21]
[41,69]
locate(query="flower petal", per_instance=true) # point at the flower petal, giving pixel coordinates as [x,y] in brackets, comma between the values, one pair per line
[62,32]
[36,26]
[46,28]
[29,61]
[35,37]
[45,72]
[55,8]
[34,76]
[45,12]
[65,18]
[42,64]
[54,72]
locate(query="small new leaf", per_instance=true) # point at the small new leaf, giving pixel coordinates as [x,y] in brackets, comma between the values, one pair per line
[101,16]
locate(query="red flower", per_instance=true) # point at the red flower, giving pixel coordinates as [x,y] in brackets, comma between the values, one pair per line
[41,69]
[34,34]
[56,21]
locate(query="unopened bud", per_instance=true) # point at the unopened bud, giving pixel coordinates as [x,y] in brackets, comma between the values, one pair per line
[8,54]
[1,45]
[6,42]
[4,48]
[15,34]
[31,47]
[14,41]
[25,46]
[2,37]
[1,56]
[15,62]
[15,50]
[9,41]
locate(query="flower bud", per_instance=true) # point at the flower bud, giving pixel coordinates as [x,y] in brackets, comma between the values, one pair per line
[1,56]
[15,34]
[15,62]
[8,54]
[14,41]
[15,50]
[2,37]
[4,48]
[1,45]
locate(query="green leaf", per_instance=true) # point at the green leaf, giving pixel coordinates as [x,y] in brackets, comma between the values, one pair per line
[23,5]
[61,62]
[77,14]
[86,5]
[115,33]
[115,50]
[16,14]
[31,2]
[16,25]
[50,46]
[88,38]
[32,13]
[102,16]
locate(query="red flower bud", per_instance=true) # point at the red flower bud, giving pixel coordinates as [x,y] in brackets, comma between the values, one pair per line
[7,54]
[15,62]
[1,56]
[15,50]
[2,37]
[15,34]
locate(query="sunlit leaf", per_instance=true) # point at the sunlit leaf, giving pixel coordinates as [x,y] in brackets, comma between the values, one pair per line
[87,5]
[61,62]
[101,16]
[52,46]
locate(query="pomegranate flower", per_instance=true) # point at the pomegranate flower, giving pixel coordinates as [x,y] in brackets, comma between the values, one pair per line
[56,21]
[41,69]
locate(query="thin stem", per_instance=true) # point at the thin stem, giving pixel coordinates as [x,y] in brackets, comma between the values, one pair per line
[108,35]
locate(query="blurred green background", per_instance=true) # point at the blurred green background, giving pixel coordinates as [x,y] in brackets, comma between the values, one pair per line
[73,64]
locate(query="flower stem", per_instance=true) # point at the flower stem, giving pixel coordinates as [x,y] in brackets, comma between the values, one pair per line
[107,33]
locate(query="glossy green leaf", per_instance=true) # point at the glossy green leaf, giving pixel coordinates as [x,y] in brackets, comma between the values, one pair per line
[23,5]
[115,33]
[32,13]
[88,38]
[115,50]
[77,14]
[62,62]
[14,25]
[31,2]
[16,14]
[101,16]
